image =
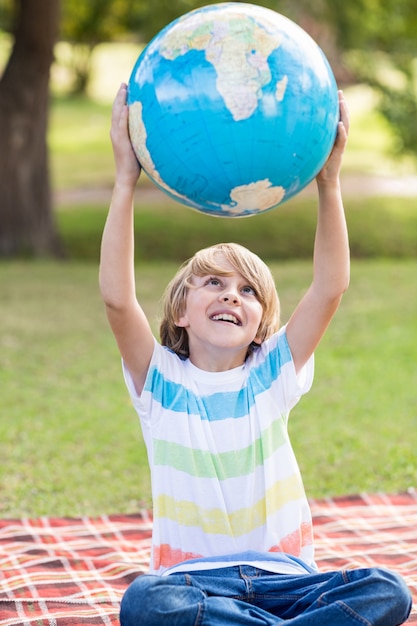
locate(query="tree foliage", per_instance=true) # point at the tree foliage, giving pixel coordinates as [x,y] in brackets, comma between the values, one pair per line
[379,38]
[86,24]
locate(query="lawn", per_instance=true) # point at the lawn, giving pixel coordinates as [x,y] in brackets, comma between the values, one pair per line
[70,440]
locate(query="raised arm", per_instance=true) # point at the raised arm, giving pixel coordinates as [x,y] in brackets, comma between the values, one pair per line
[331,256]
[117,278]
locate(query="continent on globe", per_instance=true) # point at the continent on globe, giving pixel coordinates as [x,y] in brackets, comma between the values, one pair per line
[138,138]
[255,197]
[239,56]
[233,109]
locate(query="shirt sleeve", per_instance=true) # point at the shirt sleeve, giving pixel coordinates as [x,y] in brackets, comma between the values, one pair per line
[304,378]
[274,371]
[164,365]
[138,399]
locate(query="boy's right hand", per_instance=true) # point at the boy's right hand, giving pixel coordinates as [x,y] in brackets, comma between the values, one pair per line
[127,166]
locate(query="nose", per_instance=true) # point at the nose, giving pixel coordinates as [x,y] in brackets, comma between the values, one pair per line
[230,297]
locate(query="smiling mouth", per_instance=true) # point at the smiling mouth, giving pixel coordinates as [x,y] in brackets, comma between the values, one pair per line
[226,317]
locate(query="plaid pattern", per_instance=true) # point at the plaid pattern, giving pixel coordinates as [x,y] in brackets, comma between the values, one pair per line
[368,531]
[73,572]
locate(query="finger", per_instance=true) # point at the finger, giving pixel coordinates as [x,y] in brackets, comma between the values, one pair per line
[119,102]
[343,111]
[342,135]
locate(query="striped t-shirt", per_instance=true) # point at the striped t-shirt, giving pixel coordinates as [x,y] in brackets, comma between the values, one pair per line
[225,480]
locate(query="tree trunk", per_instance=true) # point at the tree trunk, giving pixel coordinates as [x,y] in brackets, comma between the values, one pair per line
[26,221]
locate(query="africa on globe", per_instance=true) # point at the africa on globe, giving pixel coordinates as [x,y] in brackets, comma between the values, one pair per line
[233,109]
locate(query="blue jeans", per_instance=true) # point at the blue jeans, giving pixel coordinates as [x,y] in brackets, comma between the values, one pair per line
[246,596]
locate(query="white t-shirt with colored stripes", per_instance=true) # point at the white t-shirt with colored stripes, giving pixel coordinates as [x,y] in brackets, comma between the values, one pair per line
[226,486]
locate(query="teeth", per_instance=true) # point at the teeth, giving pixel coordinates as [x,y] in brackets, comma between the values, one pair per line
[225,317]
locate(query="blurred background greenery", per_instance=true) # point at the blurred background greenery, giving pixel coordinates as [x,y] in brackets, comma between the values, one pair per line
[69,440]
[371,45]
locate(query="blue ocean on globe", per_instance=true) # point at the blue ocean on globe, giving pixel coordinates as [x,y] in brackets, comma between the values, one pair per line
[233,109]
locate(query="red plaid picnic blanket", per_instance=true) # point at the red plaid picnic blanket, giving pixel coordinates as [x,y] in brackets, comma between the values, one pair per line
[73,572]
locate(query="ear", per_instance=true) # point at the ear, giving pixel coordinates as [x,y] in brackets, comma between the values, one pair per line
[258,339]
[182,321]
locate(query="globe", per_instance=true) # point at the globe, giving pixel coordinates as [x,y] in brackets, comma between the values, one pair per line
[233,109]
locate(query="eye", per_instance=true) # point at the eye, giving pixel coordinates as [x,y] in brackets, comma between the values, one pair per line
[249,291]
[212,280]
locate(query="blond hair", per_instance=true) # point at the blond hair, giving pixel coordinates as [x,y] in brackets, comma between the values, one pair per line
[209,261]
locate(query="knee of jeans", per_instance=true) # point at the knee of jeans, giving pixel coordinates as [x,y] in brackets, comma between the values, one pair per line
[150,600]
[132,599]
[393,590]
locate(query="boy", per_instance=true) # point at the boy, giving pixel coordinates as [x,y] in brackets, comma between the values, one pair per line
[232,538]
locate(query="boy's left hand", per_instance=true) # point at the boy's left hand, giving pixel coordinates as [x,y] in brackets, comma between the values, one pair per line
[331,169]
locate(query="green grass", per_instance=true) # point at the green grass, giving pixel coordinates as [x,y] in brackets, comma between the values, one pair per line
[79,142]
[378,227]
[70,441]
[363,434]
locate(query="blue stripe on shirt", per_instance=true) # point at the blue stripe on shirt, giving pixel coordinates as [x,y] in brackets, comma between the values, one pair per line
[222,405]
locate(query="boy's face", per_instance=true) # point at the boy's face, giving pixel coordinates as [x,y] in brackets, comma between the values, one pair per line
[222,318]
